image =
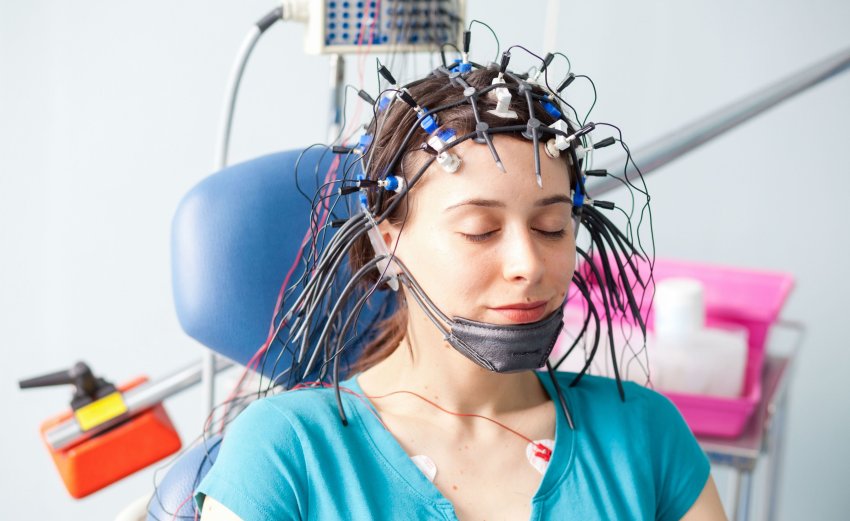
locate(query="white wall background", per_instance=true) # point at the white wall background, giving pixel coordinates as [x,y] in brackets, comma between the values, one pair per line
[108,114]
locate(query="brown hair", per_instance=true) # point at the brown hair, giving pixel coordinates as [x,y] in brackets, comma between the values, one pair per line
[432,91]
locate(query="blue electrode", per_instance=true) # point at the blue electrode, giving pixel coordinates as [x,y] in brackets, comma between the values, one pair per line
[578,194]
[446,135]
[551,109]
[361,195]
[363,143]
[392,183]
[429,122]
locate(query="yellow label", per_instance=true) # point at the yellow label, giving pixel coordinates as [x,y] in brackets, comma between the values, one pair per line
[103,410]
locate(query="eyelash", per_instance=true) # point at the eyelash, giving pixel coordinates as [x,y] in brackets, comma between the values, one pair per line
[484,236]
[477,238]
[554,235]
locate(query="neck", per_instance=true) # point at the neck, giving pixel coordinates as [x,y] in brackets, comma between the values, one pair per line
[426,364]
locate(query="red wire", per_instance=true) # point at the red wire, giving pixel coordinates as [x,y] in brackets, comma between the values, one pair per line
[255,359]
[177,511]
[465,415]
[541,451]
[330,174]
[361,62]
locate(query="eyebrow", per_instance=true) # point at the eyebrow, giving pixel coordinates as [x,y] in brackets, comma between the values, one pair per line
[489,203]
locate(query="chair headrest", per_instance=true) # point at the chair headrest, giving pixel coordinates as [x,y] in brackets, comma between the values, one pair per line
[234,237]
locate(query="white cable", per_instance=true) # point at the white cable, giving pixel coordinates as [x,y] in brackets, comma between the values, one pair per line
[295,10]
[220,159]
[208,361]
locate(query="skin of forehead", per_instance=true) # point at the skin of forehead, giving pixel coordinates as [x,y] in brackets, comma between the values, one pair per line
[520,172]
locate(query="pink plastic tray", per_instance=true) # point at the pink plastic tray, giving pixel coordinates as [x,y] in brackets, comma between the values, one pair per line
[748,298]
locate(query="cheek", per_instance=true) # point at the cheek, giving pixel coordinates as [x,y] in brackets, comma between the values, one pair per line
[447,273]
[560,266]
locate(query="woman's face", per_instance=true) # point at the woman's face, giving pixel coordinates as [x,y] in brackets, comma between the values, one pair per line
[487,245]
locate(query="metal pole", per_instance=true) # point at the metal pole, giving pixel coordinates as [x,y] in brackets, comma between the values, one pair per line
[550,29]
[774,461]
[337,88]
[137,399]
[742,498]
[683,140]
[209,361]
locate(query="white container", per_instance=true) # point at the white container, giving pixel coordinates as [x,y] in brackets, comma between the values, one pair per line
[633,360]
[688,357]
[708,362]
[681,356]
[679,306]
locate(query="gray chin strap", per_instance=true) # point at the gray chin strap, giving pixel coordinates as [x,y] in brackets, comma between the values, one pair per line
[502,349]
[496,347]
[507,348]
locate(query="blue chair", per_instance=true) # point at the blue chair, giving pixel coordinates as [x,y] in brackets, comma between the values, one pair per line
[234,237]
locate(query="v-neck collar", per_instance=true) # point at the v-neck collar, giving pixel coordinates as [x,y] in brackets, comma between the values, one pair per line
[399,461]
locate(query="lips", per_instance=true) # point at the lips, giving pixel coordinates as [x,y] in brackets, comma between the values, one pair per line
[523,312]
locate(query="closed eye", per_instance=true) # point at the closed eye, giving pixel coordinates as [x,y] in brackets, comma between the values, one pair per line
[480,237]
[552,235]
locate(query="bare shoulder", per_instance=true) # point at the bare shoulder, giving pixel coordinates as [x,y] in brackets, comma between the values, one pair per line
[215,511]
[707,507]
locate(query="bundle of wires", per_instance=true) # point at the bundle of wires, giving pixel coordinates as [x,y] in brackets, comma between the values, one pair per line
[317,319]
[316,325]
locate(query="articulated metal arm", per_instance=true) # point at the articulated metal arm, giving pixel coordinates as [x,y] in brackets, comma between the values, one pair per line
[684,139]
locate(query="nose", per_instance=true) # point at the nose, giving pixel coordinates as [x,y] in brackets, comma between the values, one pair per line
[522,258]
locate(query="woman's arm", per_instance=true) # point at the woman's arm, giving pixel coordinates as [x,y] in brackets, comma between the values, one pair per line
[215,511]
[707,507]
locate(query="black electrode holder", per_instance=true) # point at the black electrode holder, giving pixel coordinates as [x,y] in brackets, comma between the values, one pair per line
[87,387]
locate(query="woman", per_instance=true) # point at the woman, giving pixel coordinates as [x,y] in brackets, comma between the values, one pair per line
[444,416]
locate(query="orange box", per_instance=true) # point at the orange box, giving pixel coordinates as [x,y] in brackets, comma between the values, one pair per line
[115,453]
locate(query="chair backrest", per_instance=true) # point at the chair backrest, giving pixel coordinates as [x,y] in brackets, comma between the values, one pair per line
[173,497]
[234,237]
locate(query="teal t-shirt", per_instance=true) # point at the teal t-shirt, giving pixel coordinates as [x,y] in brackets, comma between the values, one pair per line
[289,457]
